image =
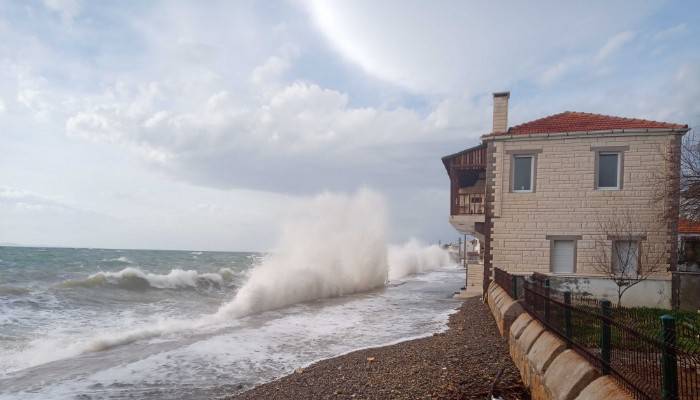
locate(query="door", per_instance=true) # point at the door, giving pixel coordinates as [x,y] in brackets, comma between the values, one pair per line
[563,256]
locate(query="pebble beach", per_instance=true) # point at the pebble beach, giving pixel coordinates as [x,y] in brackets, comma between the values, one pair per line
[460,363]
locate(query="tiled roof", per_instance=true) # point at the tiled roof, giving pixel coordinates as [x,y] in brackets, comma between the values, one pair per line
[685,226]
[570,121]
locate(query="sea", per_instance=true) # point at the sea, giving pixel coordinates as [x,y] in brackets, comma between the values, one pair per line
[80,323]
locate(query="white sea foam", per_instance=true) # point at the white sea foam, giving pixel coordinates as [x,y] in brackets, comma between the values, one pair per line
[335,245]
[121,259]
[135,278]
[414,257]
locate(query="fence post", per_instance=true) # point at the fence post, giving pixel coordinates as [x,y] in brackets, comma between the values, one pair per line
[567,318]
[514,286]
[669,388]
[546,300]
[605,335]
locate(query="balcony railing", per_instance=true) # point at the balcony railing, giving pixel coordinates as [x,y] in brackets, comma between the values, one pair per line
[467,204]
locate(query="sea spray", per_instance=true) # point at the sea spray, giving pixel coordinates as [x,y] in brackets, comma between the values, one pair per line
[335,245]
[414,257]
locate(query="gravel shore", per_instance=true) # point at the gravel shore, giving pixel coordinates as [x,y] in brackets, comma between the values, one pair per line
[460,363]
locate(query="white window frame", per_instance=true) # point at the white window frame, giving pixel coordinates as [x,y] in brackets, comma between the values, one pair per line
[532,173]
[619,170]
[615,248]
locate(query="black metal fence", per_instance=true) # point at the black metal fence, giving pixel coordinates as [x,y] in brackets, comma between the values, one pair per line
[504,280]
[654,357]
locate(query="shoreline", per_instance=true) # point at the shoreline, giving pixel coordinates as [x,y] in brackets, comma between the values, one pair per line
[460,362]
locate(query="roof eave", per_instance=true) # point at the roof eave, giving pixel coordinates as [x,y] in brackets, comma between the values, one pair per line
[506,136]
[447,157]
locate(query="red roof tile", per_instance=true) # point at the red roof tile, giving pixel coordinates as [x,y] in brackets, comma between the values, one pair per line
[570,121]
[685,226]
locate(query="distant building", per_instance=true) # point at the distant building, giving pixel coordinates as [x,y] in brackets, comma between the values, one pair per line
[533,193]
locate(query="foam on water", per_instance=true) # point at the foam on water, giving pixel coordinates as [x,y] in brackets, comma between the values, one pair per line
[333,246]
[136,279]
[256,349]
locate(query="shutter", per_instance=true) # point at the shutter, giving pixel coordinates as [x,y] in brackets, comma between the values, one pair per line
[563,257]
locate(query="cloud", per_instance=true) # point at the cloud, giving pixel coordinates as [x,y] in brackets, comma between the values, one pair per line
[671,33]
[28,201]
[298,97]
[262,126]
[68,9]
[465,46]
[614,44]
[297,129]
[559,70]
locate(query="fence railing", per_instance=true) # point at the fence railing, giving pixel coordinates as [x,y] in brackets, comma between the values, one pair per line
[504,280]
[653,356]
[470,203]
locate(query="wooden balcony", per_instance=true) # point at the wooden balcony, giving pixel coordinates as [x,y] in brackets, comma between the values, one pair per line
[467,172]
[468,203]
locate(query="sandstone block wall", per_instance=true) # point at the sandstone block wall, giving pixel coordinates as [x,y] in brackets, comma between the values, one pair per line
[565,201]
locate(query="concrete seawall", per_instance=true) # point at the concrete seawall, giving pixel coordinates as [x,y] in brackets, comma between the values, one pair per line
[547,367]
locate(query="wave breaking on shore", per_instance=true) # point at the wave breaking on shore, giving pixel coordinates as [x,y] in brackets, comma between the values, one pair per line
[133,278]
[335,245]
[414,257]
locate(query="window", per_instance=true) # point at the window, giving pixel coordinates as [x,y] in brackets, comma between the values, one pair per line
[523,171]
[608,170]
[625,257]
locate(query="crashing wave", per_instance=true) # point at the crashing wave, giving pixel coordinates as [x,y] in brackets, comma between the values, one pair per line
[334,246]
[413,257]
[135,279]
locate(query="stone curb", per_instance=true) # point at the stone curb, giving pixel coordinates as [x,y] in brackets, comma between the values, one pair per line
[547,368]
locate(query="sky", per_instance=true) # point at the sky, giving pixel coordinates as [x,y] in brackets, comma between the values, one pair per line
[198,125]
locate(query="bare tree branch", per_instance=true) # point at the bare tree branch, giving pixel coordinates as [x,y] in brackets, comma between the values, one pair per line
[682,179]
[624,253]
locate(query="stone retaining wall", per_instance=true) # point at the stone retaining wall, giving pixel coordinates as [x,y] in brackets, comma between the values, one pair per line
[547,367]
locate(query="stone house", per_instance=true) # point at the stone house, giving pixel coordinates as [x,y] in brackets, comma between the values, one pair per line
[537,194]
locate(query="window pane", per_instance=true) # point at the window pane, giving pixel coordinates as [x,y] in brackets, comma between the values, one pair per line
[522,171]
[624,258]
[607,170]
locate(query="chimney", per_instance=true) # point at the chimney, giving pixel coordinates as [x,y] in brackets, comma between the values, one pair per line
[500,112]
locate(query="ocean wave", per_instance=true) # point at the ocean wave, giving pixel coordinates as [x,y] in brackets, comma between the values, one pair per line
[413,257]
[118,260]
[13,291]
[135,279]
[333,246]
